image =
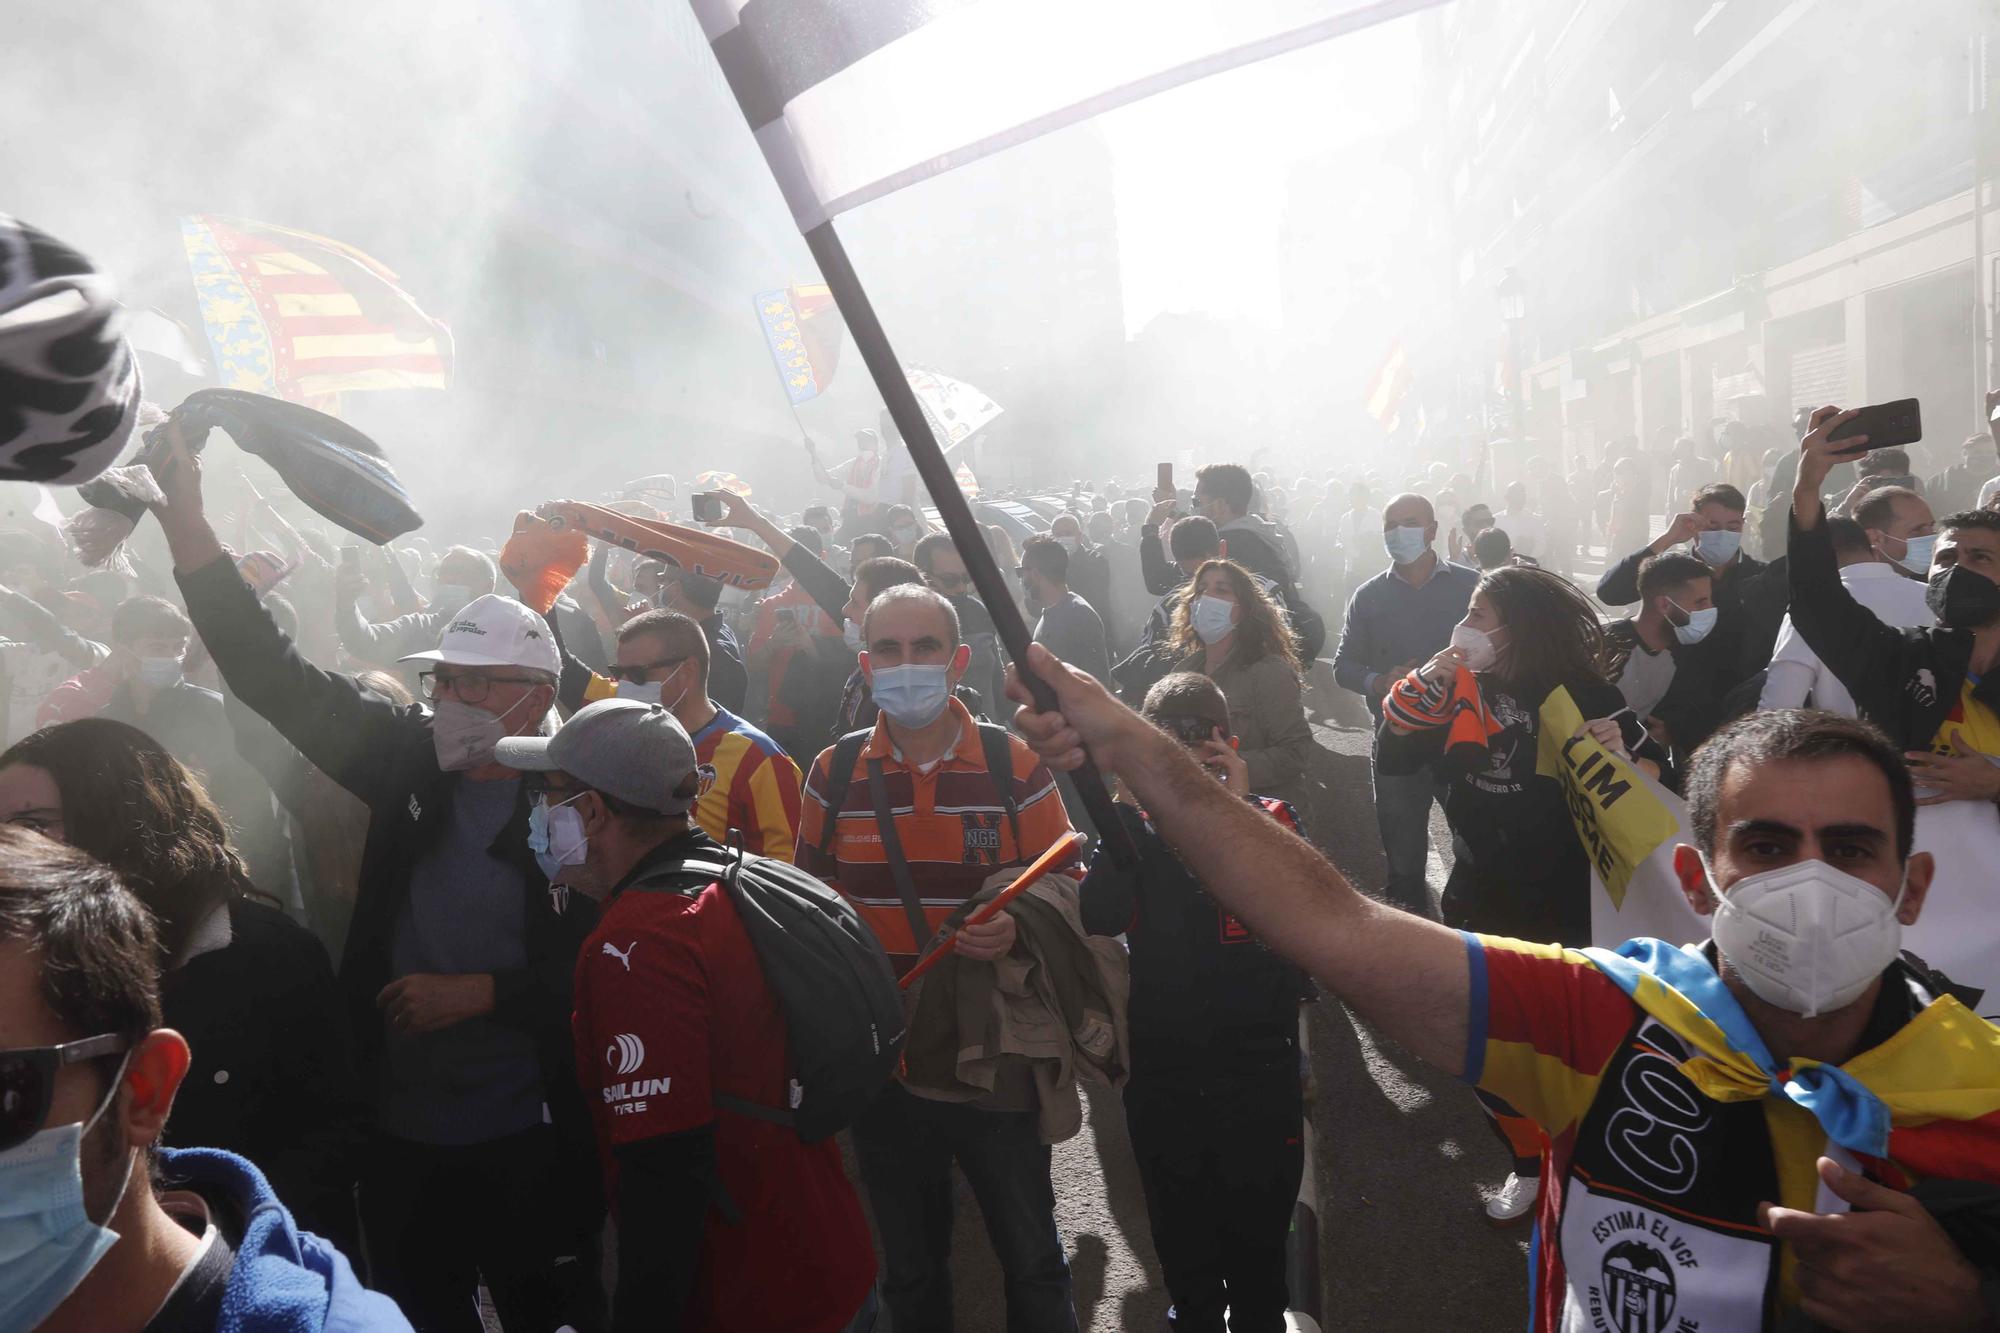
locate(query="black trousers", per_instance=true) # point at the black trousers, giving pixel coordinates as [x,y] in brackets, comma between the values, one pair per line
[439,1220]
[1220,1154]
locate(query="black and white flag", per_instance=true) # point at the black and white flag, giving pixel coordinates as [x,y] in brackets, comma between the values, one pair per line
[854,99]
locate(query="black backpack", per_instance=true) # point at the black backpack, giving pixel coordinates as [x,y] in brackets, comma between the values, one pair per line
[843,1011]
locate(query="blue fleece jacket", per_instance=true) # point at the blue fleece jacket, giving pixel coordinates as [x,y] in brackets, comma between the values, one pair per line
[284,1280]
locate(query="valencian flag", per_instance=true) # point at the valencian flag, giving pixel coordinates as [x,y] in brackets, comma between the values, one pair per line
[802,328]
[855,99]
[305,317]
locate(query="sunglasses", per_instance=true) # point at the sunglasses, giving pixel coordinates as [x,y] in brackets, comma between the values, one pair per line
[638,671]
[28,1082]
[1189,729]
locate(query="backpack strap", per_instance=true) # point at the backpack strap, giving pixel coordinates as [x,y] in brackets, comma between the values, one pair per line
[994,740]
[688,878]
[839,775]
[892,852]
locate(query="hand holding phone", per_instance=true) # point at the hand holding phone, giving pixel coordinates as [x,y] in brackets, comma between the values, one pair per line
[1163,483]
[708,507]
[1883,425]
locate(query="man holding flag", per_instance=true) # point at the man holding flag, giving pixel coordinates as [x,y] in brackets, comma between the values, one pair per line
[1742,1130]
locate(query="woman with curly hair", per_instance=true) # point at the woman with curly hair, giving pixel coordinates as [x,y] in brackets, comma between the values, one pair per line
[252,991]
[1230,630]
[1474,713]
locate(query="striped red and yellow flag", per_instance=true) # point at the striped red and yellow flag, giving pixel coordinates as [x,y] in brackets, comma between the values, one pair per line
[306,317]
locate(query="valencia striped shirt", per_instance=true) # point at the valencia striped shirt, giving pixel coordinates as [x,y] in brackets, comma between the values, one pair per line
[951,822]
[756,786]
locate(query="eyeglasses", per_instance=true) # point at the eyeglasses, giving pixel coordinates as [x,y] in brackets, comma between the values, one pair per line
[1189,729]
[466,689]
[638,672]
[28,1082]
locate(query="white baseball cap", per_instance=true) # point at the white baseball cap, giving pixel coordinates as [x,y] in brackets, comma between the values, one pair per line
[496,631]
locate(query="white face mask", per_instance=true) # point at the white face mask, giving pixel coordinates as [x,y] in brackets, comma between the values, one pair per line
[1477,645]
[1718,546]
[1699,623]
[464,736]
[1405,544]
[1213,617]
[160,672]
[850,634]
[556,836]
[1806,937]
[649,692]
[452,597]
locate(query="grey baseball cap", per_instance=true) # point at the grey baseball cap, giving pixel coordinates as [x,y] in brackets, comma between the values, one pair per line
[637,752]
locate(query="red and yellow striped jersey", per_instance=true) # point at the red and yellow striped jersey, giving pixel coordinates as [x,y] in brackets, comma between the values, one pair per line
[756,786]
[950,821]
[1667,1127]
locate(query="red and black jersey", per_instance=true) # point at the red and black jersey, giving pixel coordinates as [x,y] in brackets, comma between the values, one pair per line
[672,1010]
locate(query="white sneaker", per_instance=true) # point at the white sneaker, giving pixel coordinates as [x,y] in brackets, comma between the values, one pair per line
[1514,1201]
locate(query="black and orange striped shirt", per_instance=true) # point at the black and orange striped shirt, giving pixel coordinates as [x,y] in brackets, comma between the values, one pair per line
[951,821]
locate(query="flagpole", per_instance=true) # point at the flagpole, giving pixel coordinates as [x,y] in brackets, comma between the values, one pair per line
[966,535]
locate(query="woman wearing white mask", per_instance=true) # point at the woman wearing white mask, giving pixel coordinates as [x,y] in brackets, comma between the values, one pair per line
[1229,629]
[1474,712]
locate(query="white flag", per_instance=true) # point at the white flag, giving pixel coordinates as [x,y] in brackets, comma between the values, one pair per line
[854,99]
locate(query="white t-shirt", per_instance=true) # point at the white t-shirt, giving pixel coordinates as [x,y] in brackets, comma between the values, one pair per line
[1987,492]
[1525,531]
[1361,536]
[1797,675]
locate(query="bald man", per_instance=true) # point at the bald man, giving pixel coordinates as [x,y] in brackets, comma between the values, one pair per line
[1395,621]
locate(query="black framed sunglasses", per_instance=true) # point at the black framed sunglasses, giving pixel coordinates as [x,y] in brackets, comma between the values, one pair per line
[1189,729]
[28,1081]
[638,671]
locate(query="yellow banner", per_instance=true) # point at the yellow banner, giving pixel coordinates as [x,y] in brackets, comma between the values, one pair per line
[1619,819]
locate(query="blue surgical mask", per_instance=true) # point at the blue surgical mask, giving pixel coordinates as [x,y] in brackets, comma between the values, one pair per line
[48,1244]
[556,836]
[1213,617]
[1917,553]
[1718,546]
[1406,544]
[160,672]
[1699,623]
[913,695]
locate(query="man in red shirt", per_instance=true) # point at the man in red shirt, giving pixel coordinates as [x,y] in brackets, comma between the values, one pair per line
[726,1221]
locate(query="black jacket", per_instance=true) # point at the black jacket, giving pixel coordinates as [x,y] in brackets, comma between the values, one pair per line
[1751,598]
[273,1072]
[1903,680]
[383,754]
[1200,982]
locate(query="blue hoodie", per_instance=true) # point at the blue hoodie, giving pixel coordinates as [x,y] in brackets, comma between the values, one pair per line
[284,1280]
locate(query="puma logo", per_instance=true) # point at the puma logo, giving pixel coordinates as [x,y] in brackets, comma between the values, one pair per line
[622,955]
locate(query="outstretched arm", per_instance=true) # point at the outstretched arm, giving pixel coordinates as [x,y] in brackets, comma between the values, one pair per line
[1407,976]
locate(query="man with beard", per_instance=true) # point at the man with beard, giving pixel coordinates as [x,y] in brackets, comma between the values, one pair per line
[1769,1109]
[105,1231]
[1066,623]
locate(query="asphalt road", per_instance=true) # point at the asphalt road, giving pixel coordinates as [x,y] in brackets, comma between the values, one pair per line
[1403,1154]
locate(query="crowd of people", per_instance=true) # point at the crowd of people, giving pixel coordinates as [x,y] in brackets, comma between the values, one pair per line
[379,936]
